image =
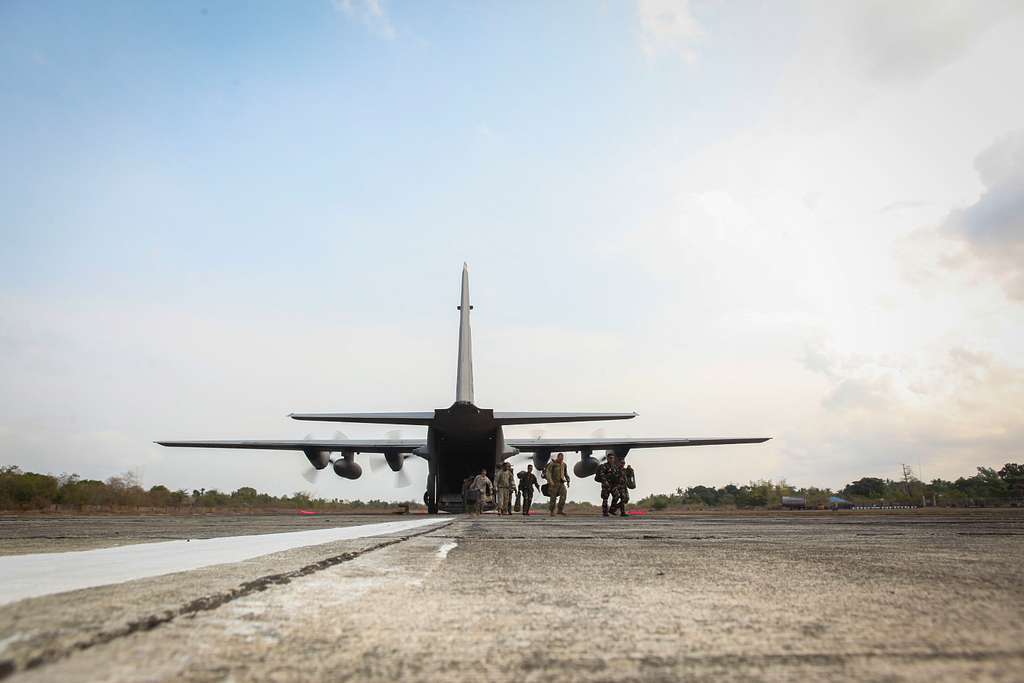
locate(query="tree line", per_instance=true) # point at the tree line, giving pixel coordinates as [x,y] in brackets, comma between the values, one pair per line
[31,491]
[989,487]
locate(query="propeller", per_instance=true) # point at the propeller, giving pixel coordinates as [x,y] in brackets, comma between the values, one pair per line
[402,479]
[312,474]
[377,464]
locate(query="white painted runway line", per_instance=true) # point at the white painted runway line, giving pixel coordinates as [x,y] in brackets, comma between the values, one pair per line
[27,576]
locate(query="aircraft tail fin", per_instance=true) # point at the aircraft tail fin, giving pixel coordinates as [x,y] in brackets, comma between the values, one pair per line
[464,379]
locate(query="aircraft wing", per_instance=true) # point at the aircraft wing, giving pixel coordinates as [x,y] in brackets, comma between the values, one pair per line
[328,445]
[548,445]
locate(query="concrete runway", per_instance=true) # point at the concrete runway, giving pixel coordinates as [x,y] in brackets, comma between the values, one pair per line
[39,574]
[866,596]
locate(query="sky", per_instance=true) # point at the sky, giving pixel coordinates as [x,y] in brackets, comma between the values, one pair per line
[801,220]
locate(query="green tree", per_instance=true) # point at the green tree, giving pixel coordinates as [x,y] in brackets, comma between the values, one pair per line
[84,492]
[27,490]
[866,487]
[245,495]
[1012,475]
[158,496]
[704,495]
[751,496]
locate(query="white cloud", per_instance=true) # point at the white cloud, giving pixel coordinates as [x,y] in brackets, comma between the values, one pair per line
[788,233]
[371,13]
[907,41]
[848,55]
[957,410]
[992,229]
[669,27]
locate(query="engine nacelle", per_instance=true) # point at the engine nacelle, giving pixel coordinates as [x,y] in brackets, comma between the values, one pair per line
[395,461]
[586,467]
[347,467]
[318,459]
[540,462]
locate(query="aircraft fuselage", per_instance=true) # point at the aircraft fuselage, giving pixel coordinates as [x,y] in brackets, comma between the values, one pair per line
[462,441]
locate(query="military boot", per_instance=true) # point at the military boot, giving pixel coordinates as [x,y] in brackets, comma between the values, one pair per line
[604,509]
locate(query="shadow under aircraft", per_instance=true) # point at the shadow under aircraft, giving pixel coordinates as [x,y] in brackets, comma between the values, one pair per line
[462,439]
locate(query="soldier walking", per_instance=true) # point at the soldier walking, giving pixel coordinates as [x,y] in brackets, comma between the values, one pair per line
[558,484]
[504,483]
[482,485]
[527,482]
[620,491]
[607,474]
[511,488]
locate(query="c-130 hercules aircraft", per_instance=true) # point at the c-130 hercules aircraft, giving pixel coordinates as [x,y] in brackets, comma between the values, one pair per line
[462,439]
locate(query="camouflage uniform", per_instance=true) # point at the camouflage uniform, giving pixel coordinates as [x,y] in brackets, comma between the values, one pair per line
[558,478]
[619,492]
[482,486]
[527,482]
[503,483]
[607,474]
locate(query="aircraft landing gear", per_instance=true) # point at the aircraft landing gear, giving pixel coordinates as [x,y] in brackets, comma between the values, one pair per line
[429,497]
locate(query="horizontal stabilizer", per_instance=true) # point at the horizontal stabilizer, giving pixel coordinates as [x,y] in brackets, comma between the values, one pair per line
[375,418]
[548,418]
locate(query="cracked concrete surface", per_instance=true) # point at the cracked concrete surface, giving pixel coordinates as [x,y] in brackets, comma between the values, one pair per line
[872,597]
